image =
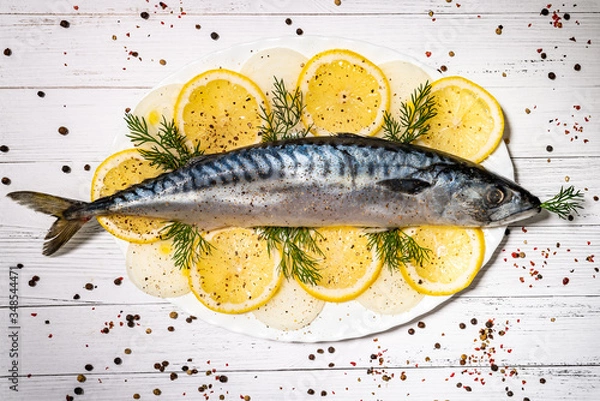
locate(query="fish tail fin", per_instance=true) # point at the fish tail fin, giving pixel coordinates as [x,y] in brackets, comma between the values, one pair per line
[67,223]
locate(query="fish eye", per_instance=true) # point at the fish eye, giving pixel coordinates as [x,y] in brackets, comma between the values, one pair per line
[495,196]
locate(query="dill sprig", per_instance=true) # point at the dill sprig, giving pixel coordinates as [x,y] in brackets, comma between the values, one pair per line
[188,243]
[295,244]
[414,116]
[283,120]
[394,247]
[168,148]
[169,151]
[564,203]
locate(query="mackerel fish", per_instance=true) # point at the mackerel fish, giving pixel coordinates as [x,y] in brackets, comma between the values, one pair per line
[308,182]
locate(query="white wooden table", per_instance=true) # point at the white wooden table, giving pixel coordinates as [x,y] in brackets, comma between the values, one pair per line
[83,73]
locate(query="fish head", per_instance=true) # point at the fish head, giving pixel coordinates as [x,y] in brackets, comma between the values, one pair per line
[482,198]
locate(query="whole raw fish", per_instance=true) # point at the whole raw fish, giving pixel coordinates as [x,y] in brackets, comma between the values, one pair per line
[309,182]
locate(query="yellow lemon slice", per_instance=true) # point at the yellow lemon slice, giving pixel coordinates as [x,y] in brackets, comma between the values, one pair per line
[120,171]
[343,92]
[469,121]
[220,110]
[456,257]
[239,274]
[348,266]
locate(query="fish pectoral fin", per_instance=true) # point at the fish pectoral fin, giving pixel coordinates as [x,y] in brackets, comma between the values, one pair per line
[408,186]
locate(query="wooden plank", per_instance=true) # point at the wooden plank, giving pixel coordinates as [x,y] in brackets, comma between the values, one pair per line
[86,54]
[549,256]
[523,334]
[424,383]
[91,134]
[312,7]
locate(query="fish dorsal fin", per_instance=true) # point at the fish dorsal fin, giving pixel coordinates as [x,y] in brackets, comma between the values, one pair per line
[409,186]
[202,158]
[347,135]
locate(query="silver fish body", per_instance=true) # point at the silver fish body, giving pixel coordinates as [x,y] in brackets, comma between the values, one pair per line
[323,181]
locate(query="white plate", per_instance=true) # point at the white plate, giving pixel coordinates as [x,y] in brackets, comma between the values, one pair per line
[336,321]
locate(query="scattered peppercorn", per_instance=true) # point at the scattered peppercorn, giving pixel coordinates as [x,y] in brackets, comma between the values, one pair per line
[144,15]
[198,26]
[443,68]
[299,31]
[65,24]
[87,167]
[565,281]
[156,391]
[310,391]
[544,11]
[214,36]
[551,75]
[473,321]
[89,286]
[41,93]
[499,30]
[7,52]
[331,350]
[78,391]
[543,56]
[136,396]
[577,67]
[63,130]
[323,393]
[288,21]
[66,169]
[173,315]
[4,149]
[567,16]
[320,351]
[549,148]
[437,345]
[223,379]
[411,331]
[76,296]
[162,62]
[89,367]
[311,357]
[6,180]
[462,326]
[81,378]
[542,380]
[421,325]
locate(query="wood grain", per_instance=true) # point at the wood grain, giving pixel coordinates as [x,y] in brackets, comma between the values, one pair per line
[541,290]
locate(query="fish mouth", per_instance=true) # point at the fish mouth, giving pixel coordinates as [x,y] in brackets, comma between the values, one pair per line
[499,220]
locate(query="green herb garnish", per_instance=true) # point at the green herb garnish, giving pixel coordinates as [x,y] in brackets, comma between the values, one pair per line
[414,116]
[567,201]
[168,148]
[295,243]
[282,122]
[395,247]
[188,243]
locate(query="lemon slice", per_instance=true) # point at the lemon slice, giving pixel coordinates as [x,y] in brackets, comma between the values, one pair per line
[220,110]
[239,274]
[120,171]
[150,268]
[390,294]
[457,255]
[469,121]
[291,308]
[343,92]
[348,266]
